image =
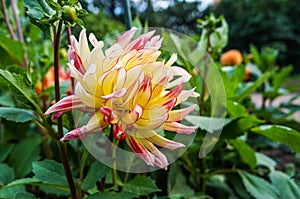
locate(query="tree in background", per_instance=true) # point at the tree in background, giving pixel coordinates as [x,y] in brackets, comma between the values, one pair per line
[272,23]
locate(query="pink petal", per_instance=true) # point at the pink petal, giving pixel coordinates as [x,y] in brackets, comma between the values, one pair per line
[162,142]
[177,115]
[140,41]
[125,39]
[179,128]
[140,150]
[66,104]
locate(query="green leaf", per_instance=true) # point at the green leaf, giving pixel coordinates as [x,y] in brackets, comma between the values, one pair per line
[258,187]
[266,161]
[235,109]
[37,9]
[25,152]
[5,99]
[287,187]
[96,172]
[141,185]
[239,126]
[206,123]
[245,151]
[47,188]
[10,192]
[25,195]
[23,181]
[50,172]
[5,151]
[11,51]
[21,88]
[114,195]
[177,185]
[280,134]
[6,175]
[254,86]
[17,114]
[280,78]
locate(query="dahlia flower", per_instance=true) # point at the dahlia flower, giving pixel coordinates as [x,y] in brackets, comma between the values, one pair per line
[127,88]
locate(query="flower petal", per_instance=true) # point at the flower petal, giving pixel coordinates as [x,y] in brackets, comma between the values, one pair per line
[66,104]
[125,39]
[177,115]
[179,128]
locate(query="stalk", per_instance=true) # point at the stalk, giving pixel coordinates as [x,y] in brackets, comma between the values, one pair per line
[62,149]
[7,22]
[20,33]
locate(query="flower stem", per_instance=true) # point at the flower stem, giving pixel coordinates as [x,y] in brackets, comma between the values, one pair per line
[62,149]
[127,13]
[19,29]
[114,169]
[9,27]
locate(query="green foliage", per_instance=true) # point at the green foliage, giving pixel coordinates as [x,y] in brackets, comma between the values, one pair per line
[16,114]
[49,172]
[25,152]
[233,169]
[21,87]
[258,187]
[141,185]
[280,134]
[11,50]
[245,151]
[96,172]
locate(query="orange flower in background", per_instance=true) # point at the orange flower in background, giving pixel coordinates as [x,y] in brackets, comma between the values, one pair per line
[49,80]
[127,88]
[231,58]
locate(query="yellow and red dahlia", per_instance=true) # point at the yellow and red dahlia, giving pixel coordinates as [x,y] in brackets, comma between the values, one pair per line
[127,88]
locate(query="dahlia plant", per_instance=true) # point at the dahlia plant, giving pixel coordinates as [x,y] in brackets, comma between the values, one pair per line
[127,88]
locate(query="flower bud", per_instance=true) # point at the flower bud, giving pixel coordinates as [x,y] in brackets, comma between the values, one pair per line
[69,14]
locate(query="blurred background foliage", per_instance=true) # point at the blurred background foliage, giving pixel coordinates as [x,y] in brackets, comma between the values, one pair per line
[271,23]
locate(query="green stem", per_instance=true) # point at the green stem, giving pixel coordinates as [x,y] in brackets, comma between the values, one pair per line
[114,169]
[127,13]
[62,148]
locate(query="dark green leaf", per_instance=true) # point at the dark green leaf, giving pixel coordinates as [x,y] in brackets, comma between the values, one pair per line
[177,185]
[23,181]
[16,114]
[258,187]
[280,134]
[11,51]
[10,192]
[141,185]
[245,151]
[6,175]
[239,126]
[96,172]
[25,152]
[50,172]
[112,195]
[37,9]
[25,195]
[286,186]
[5,150]
[21,88]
